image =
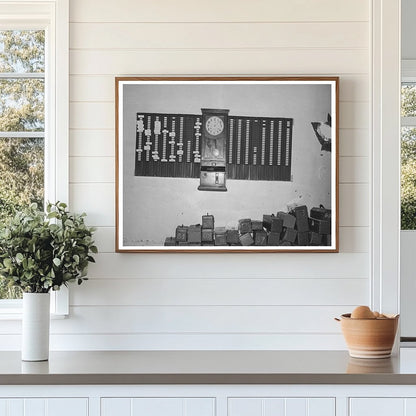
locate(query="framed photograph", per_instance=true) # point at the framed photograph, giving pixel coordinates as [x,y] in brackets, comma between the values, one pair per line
[227,164]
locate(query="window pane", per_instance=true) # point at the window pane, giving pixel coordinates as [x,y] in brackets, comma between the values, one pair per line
[22,109]
[408,178]
[21,182]
[22,51]
[21,173]
[22,105]
[408,106]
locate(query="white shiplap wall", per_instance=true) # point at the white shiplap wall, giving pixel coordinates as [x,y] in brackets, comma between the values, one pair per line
[263,301]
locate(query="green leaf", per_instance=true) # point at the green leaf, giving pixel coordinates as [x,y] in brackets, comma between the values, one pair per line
[38,253]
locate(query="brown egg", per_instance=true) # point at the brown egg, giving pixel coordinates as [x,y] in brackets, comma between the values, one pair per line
[362,312]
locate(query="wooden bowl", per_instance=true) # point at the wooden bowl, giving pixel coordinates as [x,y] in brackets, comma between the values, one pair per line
[369,338]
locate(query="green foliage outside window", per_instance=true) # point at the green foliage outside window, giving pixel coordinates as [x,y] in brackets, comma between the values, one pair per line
[408,160]
[21,110]
[408,179]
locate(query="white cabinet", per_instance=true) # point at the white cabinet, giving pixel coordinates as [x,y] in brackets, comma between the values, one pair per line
[156,406]
[281,406]
[44,407]
[208,400]
[383,406]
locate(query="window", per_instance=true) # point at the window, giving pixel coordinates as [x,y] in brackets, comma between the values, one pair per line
[408,150]
[22,124]
[33,111]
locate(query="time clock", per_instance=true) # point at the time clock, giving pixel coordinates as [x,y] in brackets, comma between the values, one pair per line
[213,151]
[214,125]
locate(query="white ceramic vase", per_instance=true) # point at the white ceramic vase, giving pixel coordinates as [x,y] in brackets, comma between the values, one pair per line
[35,326]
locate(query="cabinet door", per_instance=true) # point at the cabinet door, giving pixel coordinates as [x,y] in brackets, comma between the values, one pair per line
[44,407]
[154,406]
[392,406]
[281,406]
[377,407]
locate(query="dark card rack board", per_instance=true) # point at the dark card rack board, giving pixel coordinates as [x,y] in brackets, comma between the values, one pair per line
[257,148]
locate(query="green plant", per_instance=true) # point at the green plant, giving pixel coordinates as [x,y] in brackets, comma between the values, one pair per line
[408,179]
[43,251]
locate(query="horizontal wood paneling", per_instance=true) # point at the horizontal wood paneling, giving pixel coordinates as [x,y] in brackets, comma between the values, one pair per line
[99,88]
[231,266]
[87,115]
[96,143]
[222,35]
[216,62]
[354,170]
[104,238]
[352,239]
[218,291]
[200,319]
[219,11]
[91,169]
[94,88]
[184,341]
[354,115]
[194,320]
[354,142]
[96,199]
[354,205]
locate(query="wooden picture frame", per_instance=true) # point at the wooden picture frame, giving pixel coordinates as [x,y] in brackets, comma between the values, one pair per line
[227,164]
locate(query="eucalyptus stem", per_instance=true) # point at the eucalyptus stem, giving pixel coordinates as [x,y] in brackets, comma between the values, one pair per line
[42,251]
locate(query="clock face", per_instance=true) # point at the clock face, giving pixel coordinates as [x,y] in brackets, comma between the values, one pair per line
[214,125]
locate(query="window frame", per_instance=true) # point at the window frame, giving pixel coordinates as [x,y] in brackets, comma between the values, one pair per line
[408,75]
[53,17]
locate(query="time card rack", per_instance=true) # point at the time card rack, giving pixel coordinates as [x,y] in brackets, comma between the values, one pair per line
[256,148]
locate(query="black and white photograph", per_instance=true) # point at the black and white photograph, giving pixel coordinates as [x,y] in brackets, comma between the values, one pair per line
[227,164]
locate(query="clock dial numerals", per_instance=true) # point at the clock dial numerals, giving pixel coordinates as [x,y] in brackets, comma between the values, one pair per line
[214,125]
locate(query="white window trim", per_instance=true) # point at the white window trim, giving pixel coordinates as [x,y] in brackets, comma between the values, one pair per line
[53,15]
[385,207]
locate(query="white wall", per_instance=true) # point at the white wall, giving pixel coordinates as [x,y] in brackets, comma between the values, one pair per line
[261,301]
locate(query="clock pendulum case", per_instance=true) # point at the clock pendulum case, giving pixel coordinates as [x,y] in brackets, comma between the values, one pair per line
[213,149]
